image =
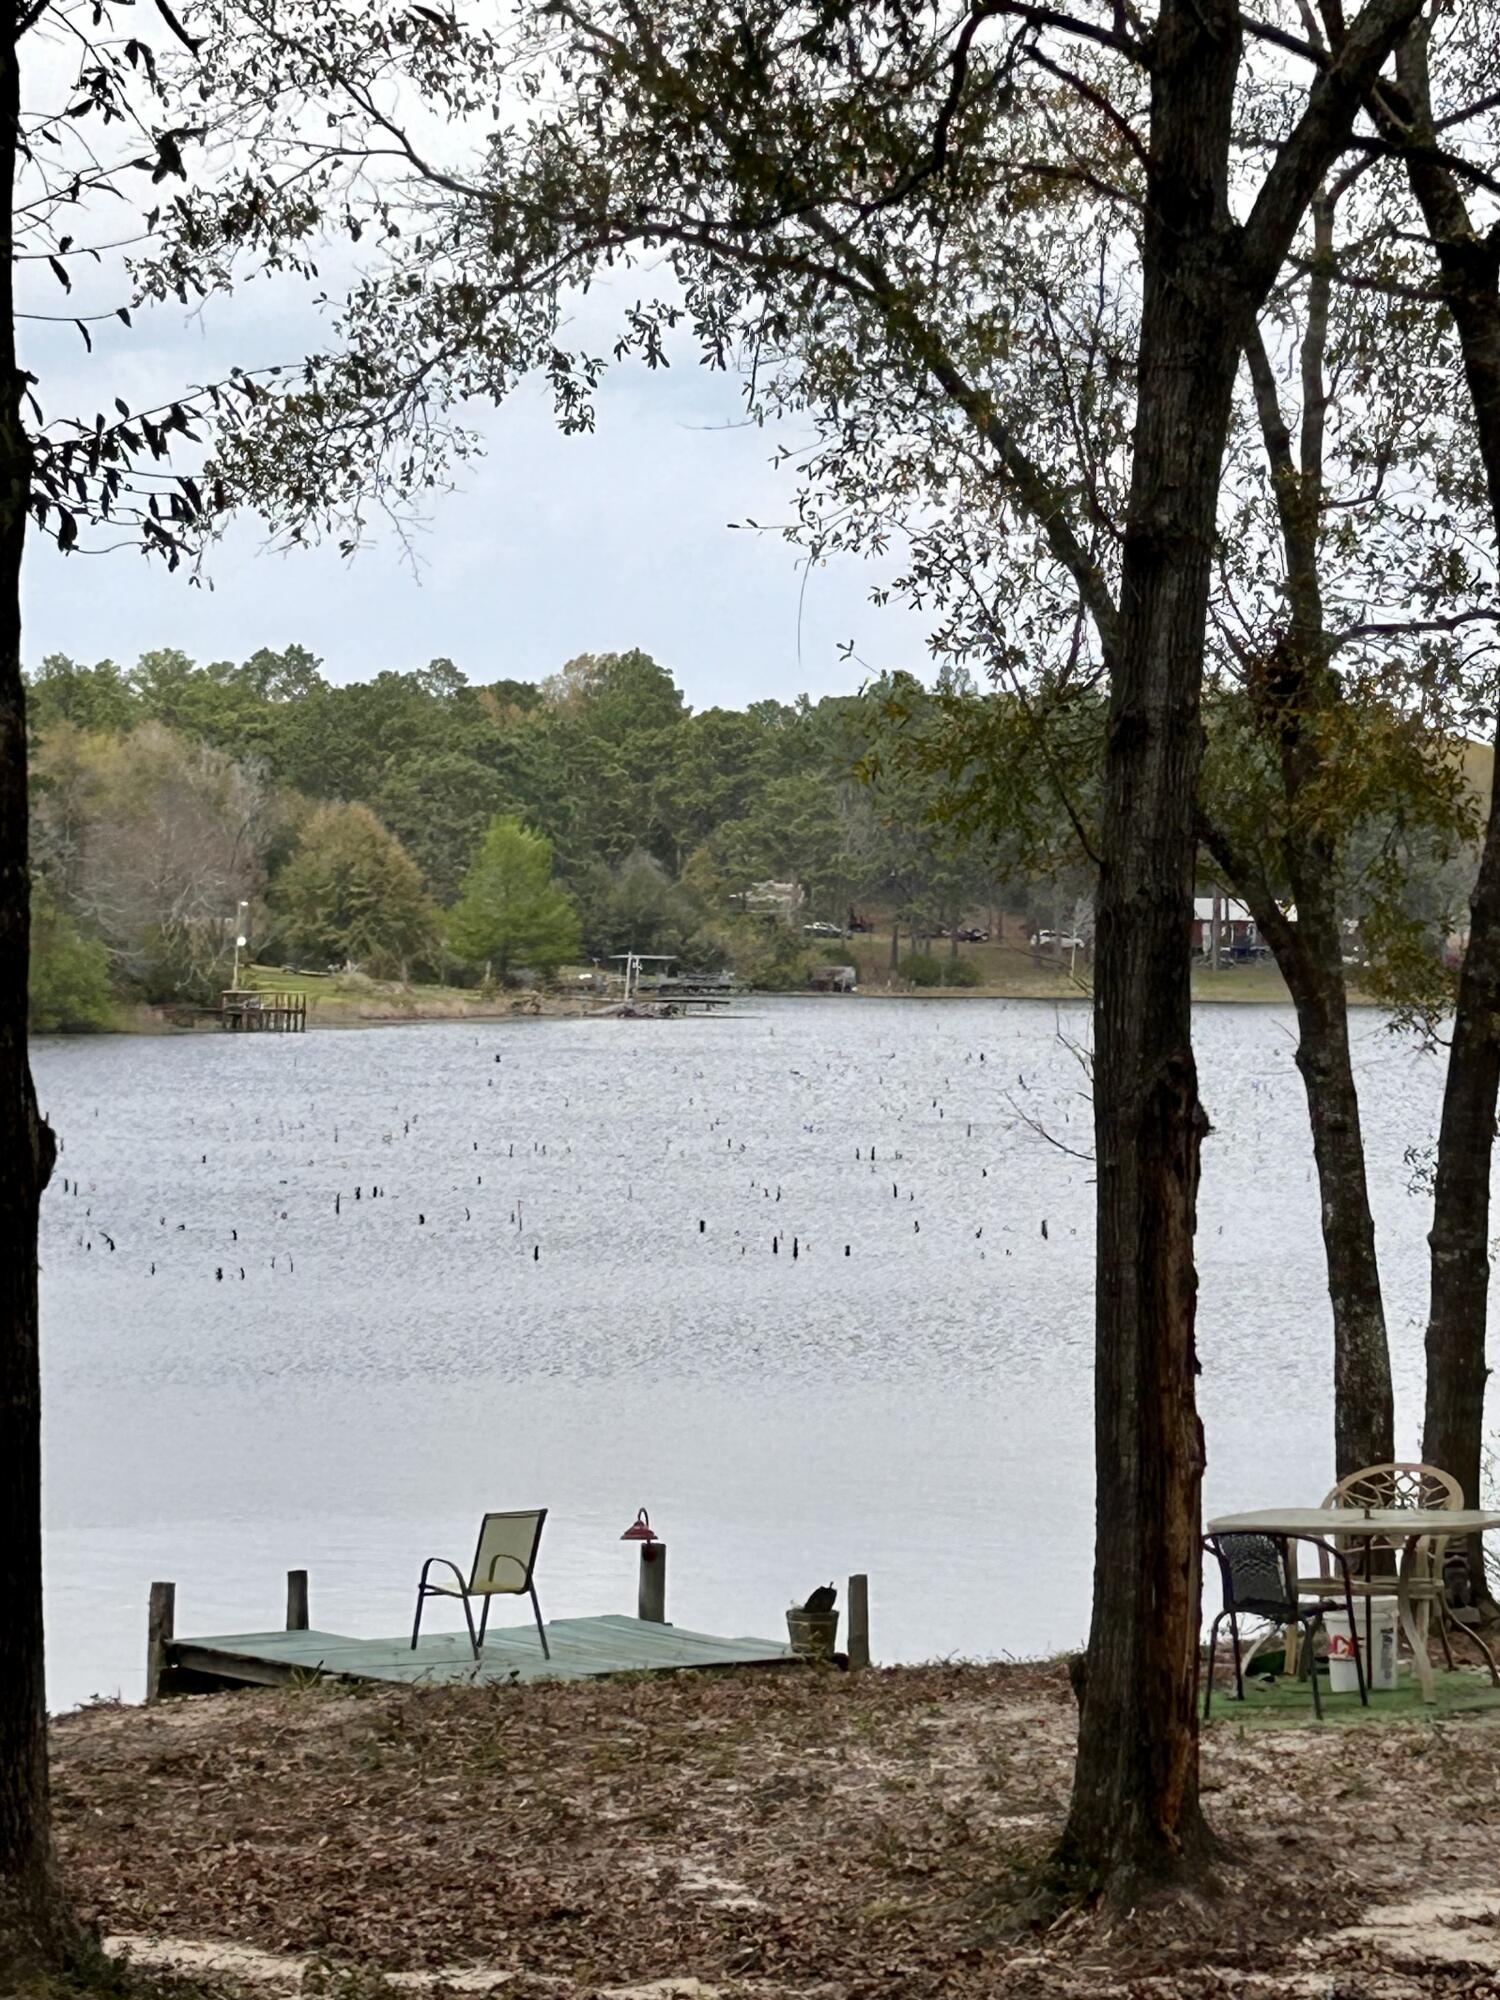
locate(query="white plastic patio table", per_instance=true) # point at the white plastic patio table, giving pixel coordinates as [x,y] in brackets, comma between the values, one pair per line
[1406,1525]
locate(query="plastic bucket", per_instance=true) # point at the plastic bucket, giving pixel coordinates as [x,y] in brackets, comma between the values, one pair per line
[1379,1657]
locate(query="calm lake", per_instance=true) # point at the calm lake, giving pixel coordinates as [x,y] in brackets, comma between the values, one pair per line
[565,1292]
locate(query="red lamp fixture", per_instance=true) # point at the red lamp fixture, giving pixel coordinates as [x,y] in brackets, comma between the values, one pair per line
[640,1529]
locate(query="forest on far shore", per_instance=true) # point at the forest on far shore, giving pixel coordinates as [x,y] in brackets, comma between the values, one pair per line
[418,825]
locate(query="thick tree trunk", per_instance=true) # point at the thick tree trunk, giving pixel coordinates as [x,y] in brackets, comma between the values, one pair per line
[32,1924]
[1453,1422]
[1135,1819]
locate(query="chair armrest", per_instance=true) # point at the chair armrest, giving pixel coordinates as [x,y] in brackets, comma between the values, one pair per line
[1327,1552]
[442,1589]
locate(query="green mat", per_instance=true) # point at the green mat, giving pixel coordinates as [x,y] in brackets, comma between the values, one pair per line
[1288,1703]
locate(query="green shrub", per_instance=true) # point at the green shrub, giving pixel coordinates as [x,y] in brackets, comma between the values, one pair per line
[962,972]
[70,987]
[920,968]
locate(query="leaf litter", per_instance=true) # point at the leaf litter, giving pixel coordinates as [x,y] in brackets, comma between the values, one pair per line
[756,1836]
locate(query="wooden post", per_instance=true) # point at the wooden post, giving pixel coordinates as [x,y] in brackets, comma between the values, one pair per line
[296,1600]
[859,1622]
[651,1600]
[160,1619]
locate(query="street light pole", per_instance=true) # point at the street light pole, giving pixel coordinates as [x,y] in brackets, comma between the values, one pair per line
[239,940]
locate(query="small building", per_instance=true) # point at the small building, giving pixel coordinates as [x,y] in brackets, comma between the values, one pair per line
[1238,936]
[833,978]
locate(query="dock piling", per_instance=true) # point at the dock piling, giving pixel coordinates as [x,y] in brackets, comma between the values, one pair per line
[296,1600]
[651,1599]
[859,1622]
[160,1620]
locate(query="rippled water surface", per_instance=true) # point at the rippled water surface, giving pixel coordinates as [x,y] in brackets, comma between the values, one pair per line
[806,1282]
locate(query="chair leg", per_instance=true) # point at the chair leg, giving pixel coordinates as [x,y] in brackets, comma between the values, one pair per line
[1489,1658]
[537,1613]
[1442,1625]
[484,1617]
[1239,1672]
[1361,1673]
[416,1623]
[1213,1646]
[1312,1664]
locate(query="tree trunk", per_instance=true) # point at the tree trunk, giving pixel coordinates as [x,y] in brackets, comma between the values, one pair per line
[1293,689]
[1364,1420]
[1135,1819]
[1310,956]
[1453,1421]
[33,1928]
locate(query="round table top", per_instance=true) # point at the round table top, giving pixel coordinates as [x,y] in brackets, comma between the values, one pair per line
[1390,1523]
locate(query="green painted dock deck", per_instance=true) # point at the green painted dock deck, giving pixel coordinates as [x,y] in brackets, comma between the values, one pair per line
[582,1649]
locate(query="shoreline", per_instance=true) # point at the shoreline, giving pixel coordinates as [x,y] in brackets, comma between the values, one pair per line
[394,1010]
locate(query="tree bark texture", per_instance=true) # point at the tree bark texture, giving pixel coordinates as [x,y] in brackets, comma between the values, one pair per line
[32,1928]
[1453,1421]
[1135,1817]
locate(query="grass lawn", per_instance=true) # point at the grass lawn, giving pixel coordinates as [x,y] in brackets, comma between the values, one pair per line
[1008,970]
[1288,1703]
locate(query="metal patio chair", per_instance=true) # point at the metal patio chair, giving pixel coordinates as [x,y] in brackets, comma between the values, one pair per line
[503,1564]
[1373,1559]
[1260,1581]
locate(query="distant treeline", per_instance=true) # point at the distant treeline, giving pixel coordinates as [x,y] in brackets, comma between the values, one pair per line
[416,824]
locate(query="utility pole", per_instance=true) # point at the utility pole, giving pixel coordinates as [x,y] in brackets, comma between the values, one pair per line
[240,940]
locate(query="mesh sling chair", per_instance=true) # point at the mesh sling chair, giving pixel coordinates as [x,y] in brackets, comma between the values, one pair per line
[503,1564]
[1439,1562]
[1259,1581]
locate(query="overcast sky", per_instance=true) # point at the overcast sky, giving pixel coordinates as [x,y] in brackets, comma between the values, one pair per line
[552,545]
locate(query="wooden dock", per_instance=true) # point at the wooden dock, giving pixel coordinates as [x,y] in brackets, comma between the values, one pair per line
[582,1649]
[247,1010]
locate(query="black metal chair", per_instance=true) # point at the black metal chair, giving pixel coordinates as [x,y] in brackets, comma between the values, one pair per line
[1259,1580]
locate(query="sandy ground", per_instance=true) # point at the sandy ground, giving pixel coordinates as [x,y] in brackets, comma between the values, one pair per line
[755,1836]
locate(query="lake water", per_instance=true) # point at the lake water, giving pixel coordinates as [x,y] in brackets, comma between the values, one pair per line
[566,1293]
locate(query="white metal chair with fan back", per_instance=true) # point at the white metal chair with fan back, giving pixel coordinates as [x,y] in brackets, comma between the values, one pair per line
[503,1564]
[1372,1558]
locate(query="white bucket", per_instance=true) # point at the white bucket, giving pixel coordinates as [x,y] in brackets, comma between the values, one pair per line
[1379,1656]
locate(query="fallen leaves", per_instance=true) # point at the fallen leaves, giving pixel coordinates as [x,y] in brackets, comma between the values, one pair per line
[756,1836]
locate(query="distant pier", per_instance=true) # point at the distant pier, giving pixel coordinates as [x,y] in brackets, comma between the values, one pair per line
[246,1010]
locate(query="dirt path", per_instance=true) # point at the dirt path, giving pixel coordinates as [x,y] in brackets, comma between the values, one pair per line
[756,1837]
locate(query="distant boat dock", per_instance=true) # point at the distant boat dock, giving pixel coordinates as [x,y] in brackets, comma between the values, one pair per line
[247,1010]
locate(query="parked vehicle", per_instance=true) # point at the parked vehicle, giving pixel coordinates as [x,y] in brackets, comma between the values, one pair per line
[821,930]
